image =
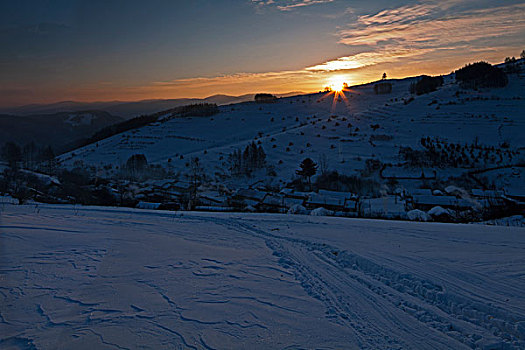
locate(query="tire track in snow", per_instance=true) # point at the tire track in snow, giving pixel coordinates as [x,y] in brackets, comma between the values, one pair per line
[368,335]
[474,324]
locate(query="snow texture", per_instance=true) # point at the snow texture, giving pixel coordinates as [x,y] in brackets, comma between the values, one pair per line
[119,278]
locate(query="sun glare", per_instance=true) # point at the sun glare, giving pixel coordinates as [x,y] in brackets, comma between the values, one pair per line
[337,83]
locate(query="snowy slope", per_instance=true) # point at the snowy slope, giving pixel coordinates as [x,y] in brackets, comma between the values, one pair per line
[93,277]
[298,127]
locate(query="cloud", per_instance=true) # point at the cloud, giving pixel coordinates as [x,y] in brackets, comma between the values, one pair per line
[287,5]
[393,37]
[430,37]
[366,59]
[434,25]
[239,78]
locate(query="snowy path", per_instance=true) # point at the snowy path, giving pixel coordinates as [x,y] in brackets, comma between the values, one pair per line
[91,277]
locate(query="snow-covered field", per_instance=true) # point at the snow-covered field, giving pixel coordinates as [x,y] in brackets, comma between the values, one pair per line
[94,278]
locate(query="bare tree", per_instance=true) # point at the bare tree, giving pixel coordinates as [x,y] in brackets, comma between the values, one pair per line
[195,177]
[323,163]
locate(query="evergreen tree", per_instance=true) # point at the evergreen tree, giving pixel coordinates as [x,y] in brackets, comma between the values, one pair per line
[308,169]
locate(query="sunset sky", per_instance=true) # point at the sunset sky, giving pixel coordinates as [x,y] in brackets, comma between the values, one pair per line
[131,50]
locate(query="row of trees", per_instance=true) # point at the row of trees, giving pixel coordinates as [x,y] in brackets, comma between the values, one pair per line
[438,153]
[29,156]
[194,110]
[332,180]
[265,98]
[426,84]
[383,88]
[512,66]
[247,161]
[481,74]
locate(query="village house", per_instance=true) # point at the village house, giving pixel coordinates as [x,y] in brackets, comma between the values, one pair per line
[383,207]
[332,200]
[427,202]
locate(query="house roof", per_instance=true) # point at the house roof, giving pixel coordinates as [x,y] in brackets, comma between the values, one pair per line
[251,194]
[290,192]
[273,200]
[289,202]
[421,192]
[213,197]
[442,201]
[337,194]
[486,193]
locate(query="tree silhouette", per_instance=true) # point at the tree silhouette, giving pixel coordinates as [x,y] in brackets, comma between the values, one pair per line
[244,163]
[12,154]
[384,76]
[481,74]
[522,55]
[196,173]
[265,98]
[136,165]
[308,169]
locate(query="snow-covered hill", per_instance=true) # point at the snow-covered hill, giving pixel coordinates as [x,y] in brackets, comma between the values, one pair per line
[347,128]
[106,278]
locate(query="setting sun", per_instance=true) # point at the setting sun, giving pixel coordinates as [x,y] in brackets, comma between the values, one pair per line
[337,83]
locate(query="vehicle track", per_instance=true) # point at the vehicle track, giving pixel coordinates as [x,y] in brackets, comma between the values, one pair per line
[338,278]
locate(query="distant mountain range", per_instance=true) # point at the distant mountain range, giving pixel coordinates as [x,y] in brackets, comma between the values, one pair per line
[128,110]
[58,130]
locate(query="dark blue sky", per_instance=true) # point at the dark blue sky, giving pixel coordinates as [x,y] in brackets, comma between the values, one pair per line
[102,50]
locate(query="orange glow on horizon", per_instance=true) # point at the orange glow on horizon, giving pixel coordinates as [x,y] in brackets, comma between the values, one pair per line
[301,81]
